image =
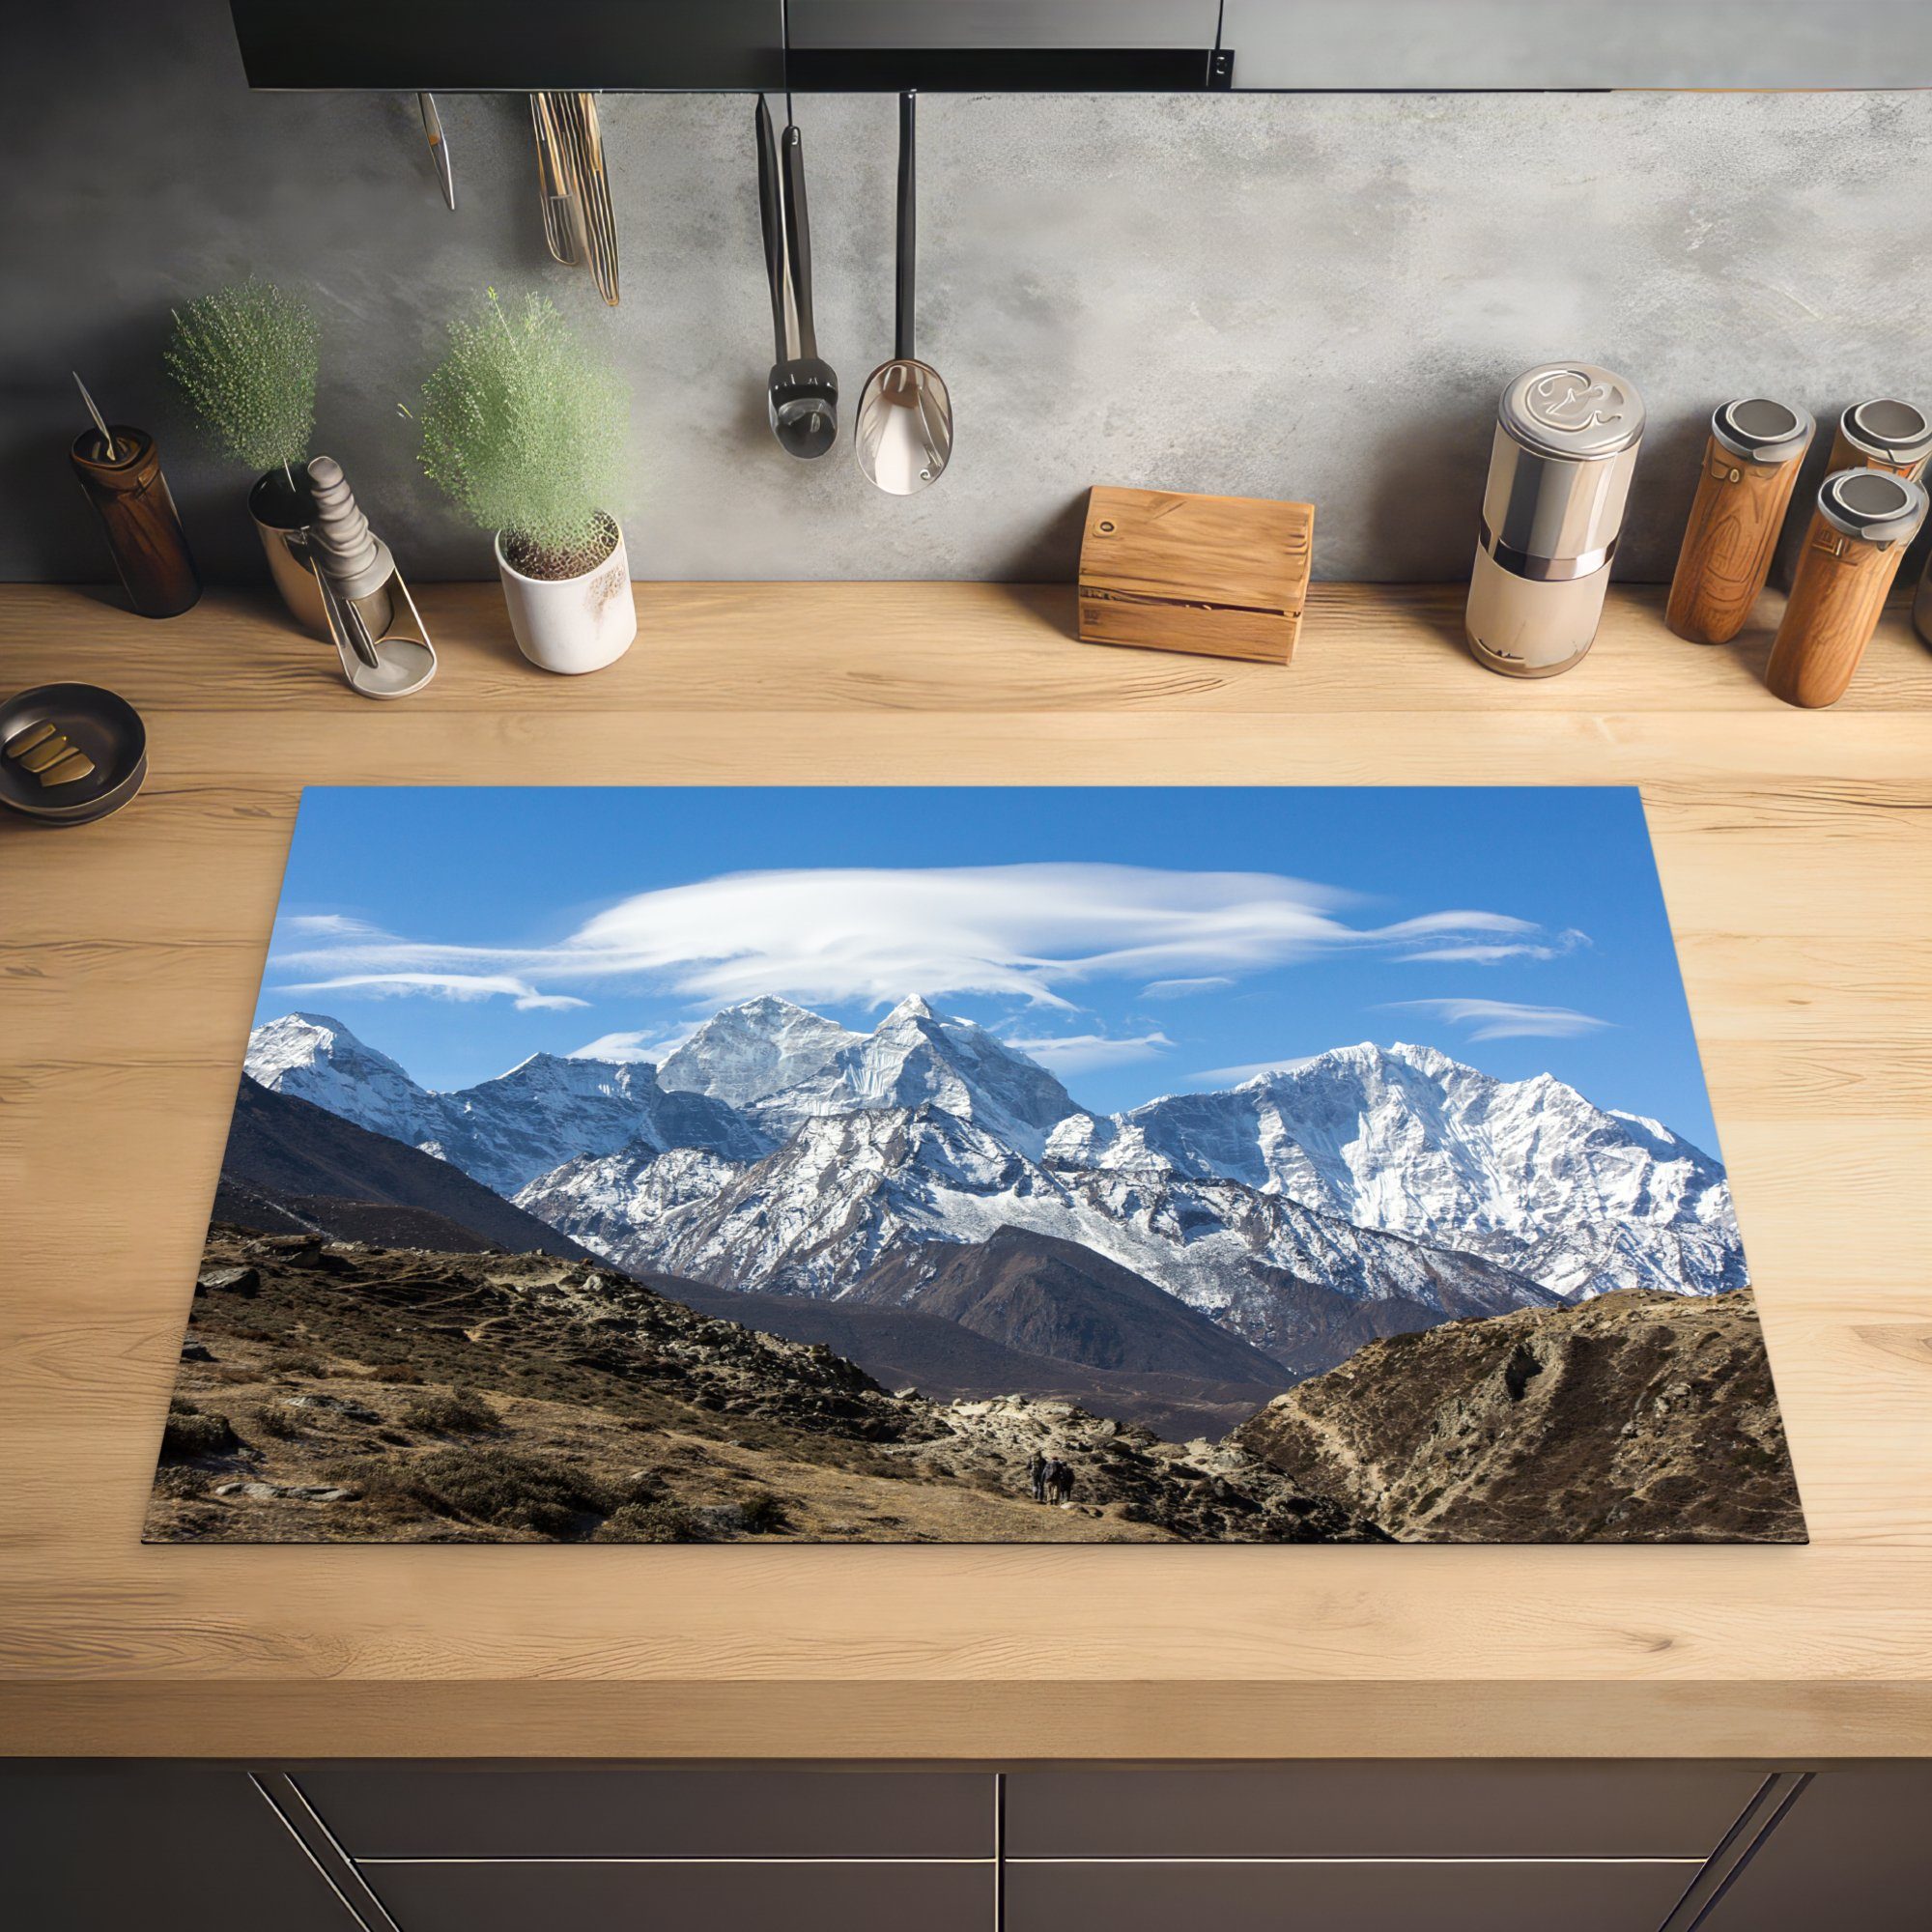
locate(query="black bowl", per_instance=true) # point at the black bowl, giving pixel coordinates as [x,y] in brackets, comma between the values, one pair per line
[107,727]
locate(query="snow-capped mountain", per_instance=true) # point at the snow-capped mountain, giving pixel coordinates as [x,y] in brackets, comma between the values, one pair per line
[850,1190]
[1406,1140]
[747,1051]
[916,1057]
[784,1065]
[1365,1190]
[319,1060]
[505,1131]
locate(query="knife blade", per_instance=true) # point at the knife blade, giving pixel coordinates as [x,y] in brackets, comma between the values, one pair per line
[439,148]
[584,143]
[563,226]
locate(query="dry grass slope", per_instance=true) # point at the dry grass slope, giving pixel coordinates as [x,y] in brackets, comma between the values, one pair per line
[333,1392]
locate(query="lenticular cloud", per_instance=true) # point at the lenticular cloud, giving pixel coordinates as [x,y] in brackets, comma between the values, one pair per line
[864,935]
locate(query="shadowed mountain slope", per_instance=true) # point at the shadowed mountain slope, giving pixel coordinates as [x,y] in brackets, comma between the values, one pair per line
[905,1347]
[1047,1297]
[289,1167]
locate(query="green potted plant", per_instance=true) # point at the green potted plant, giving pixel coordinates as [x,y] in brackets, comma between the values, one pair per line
[523,428]
[245,358]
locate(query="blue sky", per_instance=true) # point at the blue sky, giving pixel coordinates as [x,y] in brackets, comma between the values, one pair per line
[1138,942]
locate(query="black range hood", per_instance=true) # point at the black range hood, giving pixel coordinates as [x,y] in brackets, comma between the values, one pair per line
[822,46]
[1079,46]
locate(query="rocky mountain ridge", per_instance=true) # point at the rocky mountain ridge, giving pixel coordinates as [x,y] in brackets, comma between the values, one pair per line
[1365,1192]
[502,1132]
[1632,1417]
[1406,1140]
[850,1193]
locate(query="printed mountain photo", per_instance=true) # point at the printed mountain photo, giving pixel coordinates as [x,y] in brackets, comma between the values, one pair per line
[953,1165]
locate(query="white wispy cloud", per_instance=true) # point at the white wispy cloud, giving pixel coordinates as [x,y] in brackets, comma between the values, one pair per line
[1236,1076]
[1505,1019]
[646,1044]
[1178,989]
[442,986]
[329,926]
[1471,952]
[864,935]
[1082,1052]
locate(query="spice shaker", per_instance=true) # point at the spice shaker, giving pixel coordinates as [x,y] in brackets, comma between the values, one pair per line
[1883,435]
[1860,530]
[121,474]
[373,619]
[1565,443]
[1750,468]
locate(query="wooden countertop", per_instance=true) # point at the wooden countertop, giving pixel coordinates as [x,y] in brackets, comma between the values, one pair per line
[1796,852]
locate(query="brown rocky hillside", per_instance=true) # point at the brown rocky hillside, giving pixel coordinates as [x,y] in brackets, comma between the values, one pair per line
[331,1391]
[1639,1418]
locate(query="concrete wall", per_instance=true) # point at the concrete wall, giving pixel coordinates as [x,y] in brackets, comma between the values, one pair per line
[1270,295]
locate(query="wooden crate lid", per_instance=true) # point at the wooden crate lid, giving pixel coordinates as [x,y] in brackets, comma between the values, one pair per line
[1249,553]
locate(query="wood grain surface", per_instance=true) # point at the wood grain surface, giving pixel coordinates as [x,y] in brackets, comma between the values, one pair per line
[1224,576]
[1837,599]
[1733,528]
[1795,850]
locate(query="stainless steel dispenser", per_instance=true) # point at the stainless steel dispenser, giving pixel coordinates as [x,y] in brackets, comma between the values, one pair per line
[1567,439]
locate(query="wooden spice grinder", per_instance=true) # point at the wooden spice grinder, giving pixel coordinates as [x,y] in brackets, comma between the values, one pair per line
[1860,530]
[1750,468]
[122,479]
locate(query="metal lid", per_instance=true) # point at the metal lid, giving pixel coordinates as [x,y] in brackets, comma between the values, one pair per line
[1873,504]
[1762,431]
[1893,431]
[1573,411]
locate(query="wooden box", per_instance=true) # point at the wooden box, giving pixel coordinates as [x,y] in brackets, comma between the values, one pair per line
[1224,576]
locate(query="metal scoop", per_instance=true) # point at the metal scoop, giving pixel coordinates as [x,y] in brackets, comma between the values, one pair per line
[903,434]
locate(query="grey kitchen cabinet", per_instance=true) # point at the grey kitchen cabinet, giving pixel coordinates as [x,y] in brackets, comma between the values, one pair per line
[1365,1810]
[652,1894]
[1855,1851]
[153,1847]
[455,1811]
[1373,45]
[1345,1846]
[1472,1896]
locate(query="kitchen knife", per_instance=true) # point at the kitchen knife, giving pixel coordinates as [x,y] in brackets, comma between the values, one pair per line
[563,226]
[439,148]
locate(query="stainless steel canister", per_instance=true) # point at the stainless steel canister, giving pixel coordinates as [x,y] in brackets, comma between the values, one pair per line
[284,514]
[1567,438]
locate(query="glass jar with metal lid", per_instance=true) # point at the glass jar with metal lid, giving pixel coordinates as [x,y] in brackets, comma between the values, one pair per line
[1566,444]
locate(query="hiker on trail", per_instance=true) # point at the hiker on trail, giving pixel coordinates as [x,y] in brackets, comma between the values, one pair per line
[1037,1476]
[1062,1483]
[1048,1478]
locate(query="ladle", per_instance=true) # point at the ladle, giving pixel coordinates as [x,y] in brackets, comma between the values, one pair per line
[903,431]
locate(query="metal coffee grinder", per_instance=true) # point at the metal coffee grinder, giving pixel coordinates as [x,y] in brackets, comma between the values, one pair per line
[1565,443]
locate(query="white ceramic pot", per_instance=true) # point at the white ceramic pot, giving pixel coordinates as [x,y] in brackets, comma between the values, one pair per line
[571,624]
